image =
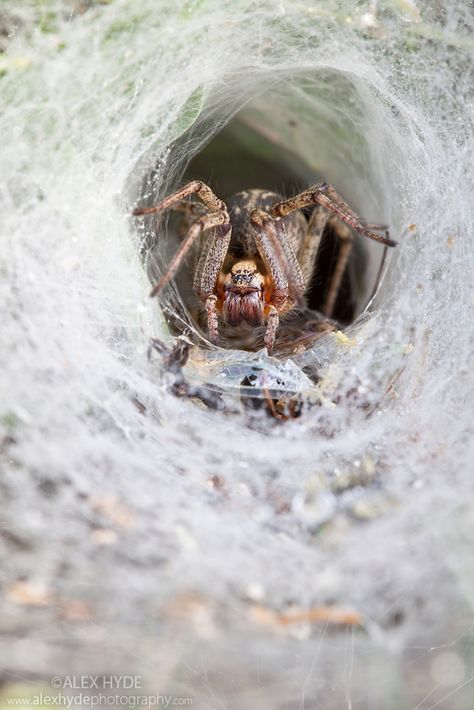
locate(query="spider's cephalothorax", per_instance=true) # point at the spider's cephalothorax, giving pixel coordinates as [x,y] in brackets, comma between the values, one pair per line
[257,254]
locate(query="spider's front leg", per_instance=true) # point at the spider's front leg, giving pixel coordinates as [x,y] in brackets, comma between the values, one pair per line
[328,200]
[324,194]
[282,266]
[207,273]
[217,220]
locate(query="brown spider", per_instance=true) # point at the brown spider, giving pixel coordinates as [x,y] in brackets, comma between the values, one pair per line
[257,255]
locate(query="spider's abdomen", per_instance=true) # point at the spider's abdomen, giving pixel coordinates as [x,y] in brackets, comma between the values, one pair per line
[240,208]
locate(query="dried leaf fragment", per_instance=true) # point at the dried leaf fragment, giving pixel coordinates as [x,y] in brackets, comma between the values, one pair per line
[317,614]
[29,593]
[75,610]
[111,508]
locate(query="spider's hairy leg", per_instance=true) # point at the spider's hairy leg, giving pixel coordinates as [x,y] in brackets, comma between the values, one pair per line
[209,265]
[337,199]
[375,225]
[282,266]
[278,256]
[326,195]
[207,273]
[213,216]
[273,320]
[212,323]
[214,219]
[356,224]
[212,202]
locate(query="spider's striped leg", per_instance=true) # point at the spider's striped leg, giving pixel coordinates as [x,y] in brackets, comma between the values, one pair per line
[281,265]
[214,219]
[278,256]
[337,199]
[273,320]
[326,195]
[207,272]
[212,202]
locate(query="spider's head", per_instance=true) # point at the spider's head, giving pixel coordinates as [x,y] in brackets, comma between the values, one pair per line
[244,295]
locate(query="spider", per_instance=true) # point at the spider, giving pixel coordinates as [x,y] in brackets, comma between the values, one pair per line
[257,252]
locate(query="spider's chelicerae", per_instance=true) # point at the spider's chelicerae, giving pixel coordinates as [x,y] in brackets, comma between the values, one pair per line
[257,252]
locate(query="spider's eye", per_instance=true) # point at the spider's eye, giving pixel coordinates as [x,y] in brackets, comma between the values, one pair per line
[242,278]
